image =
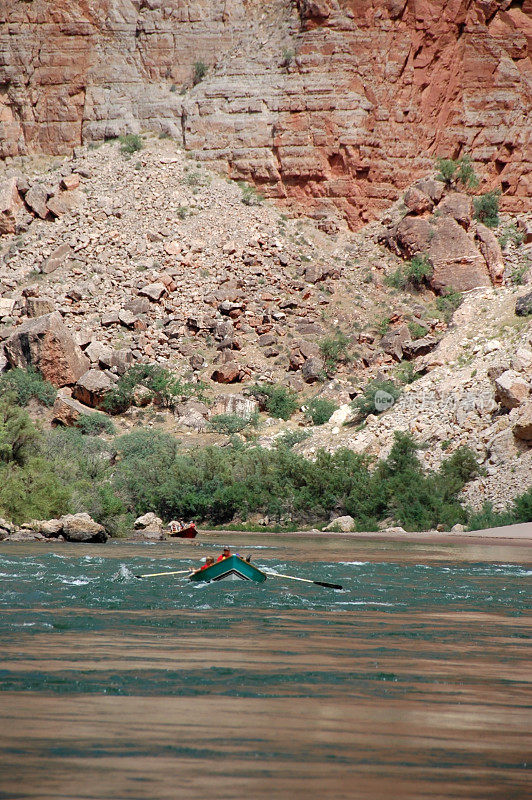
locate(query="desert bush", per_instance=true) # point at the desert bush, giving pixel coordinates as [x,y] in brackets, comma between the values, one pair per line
[94,424]
[232,423]
[459,171]
[278,401]
[200,70]
[447,304]
[487,208]
[417,331]
[130,143]
[25,385]
[411,275]
[334,349]
[166,389]
[250,195]
[377,397]
[320,410]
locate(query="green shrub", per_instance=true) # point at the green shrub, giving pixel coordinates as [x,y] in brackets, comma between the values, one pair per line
[94,424]
[511,235]
[278,401]
[232,423]
[418,270]
[447,304]
[130,143]
[200,70]
[320,410]
[334,349]
[406,373]
[487,208]
[289,439]
[488,518]
[378,396]
[18,434]
[250,195]
[459,171]
[166,389]
[417,331]
[25,385]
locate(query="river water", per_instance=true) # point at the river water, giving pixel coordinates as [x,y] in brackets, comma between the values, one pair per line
[411,682]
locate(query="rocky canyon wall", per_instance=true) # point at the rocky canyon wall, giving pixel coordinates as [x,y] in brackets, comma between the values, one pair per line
[335,105]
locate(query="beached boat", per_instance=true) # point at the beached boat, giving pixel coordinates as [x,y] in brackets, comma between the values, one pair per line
[183,532]
[232,568]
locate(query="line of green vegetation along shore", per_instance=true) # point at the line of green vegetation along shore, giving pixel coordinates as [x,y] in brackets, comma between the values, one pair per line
[45,474]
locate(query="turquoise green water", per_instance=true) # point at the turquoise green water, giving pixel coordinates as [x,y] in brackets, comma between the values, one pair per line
[412,681]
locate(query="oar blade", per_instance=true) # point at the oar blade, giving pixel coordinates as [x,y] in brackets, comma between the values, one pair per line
[328,585]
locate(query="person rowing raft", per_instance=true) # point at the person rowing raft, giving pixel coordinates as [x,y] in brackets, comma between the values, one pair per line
[226,552]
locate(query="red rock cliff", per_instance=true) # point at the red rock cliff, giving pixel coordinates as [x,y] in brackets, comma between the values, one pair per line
[335,104]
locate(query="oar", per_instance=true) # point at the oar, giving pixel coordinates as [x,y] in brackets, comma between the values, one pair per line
[156,574]
[306,580]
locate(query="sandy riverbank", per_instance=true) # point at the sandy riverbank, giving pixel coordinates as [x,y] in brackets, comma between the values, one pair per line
[518,534]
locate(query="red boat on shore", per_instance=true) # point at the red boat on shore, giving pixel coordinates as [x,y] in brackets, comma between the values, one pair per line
[182,530]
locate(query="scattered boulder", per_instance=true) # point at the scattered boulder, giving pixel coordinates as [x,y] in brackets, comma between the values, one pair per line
[11,205]
[522,426]
[46,344]
[235,404]
[227,373]
[412,236]
[56,258]
[395,341]
[39,306]
[64,202]
[7,304]
[312,369]
[149,523]
[92,388]
[67,411]
[491,250]
[457,264]
[459,206]
[417,201]
[36,198]
[50,528]
[419,347]
[6,528]
[154,291]
[511,390]
[343,524]
[523,306]
[82,528]
[193,414]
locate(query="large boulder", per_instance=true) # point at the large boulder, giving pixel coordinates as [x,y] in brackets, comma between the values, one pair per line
[235,404]
[457,264]
[344,524]
[193,414]
[522,426]
[312,370]
[395,340]
[491,250]
[67,411]
[92,388]
[413,236]
[150,525]
[523,306]
[46,344]
[511,390]
[11,205]
[36,198]
[82,528]
[458,206]
[227,373]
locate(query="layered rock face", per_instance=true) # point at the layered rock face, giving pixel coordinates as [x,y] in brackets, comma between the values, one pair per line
[335,105]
